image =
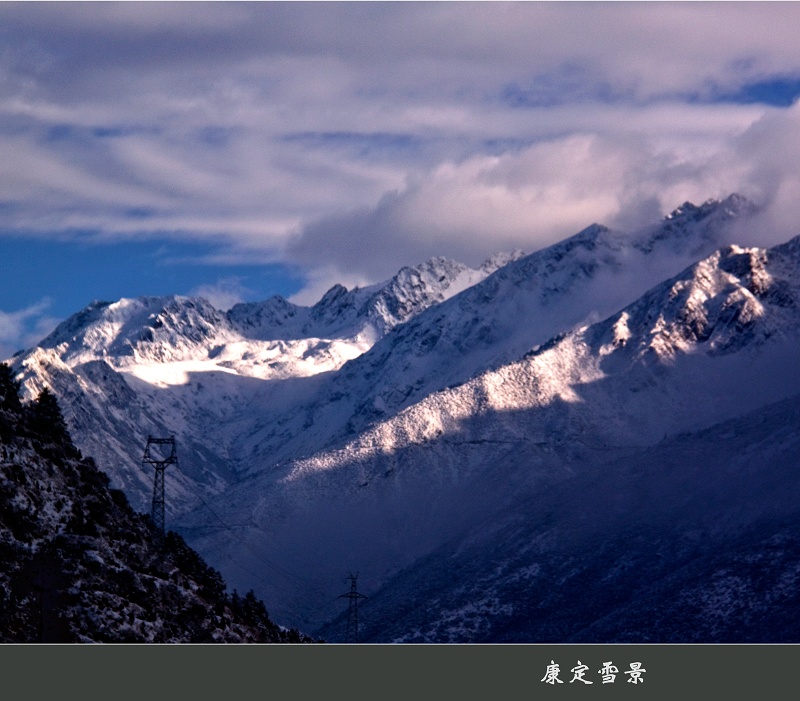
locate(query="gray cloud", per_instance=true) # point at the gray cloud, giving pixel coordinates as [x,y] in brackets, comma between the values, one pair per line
[354,138]
[619,175]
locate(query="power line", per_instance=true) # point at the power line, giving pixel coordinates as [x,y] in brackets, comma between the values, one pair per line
[261,558]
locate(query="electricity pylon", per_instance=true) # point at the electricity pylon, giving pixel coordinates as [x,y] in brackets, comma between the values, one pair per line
[159,459]
[351,636]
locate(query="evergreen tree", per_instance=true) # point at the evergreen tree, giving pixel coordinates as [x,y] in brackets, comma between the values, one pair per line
[45,421]
[9,390]
[10,404]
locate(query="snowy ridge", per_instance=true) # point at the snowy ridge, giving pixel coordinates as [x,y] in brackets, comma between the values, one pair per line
[162,365]
[363,312]
[490,323]
[733,301]
[151,331]
[147,329]
[736,297]
[525,303]
[385,426]
[717,341]
[695,226]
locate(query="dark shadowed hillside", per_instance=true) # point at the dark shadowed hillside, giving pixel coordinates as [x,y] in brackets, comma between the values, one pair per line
[77,564]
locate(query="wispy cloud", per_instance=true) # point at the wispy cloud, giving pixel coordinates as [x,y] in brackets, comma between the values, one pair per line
[223,294]
[24,328]
[354,138]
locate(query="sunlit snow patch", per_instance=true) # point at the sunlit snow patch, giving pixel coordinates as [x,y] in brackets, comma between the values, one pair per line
[170,374]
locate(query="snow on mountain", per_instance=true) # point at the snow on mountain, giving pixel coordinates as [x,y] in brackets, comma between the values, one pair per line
[135,331]
[176,365]
[695,540]
[523,304]
[160,330]
[692,229]
[367,312]
[716,341]
[658,366]
[368,431]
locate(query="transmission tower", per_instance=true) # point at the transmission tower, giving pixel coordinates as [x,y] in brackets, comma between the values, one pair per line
[159,458]
[351,636]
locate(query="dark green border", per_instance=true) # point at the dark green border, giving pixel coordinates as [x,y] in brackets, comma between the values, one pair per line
[504,672]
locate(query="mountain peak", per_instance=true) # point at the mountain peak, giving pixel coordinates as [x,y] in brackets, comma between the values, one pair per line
[500,260]
[695,230]
[331,296]
[132,325]
[733,205]
[734,297]
[689,209]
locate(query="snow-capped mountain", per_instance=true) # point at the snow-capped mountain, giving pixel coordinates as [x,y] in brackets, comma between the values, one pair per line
[163,330]
[586,276]
[711,344]
[179,366]
[387,429]
[176,365]
[367,312]
[523,304]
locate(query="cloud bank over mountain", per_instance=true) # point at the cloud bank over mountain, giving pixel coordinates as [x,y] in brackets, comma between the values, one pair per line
[350,140]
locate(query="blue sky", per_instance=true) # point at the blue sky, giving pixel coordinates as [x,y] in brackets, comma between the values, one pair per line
[240,150]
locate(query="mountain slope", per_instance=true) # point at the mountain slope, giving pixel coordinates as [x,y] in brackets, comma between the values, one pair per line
[523,304]
[696,539]
[79,565]
[711,344]
[453,407]
[177,365]
[585,277]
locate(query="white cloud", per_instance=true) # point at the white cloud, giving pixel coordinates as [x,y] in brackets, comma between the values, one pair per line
[355,138]
[223,294]
[24,328]
[620,174]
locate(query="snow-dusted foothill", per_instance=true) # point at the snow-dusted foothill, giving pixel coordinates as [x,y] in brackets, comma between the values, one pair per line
[79,565]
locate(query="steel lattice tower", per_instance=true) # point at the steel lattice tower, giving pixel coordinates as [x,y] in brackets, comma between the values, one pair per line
[159,458]
[351,636]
